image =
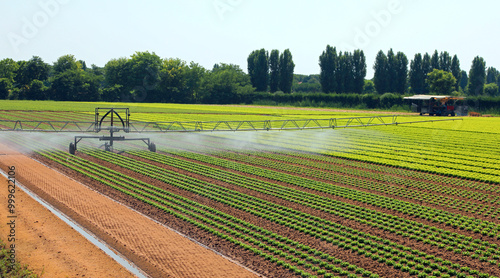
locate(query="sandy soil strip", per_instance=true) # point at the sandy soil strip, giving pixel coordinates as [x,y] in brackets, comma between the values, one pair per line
[155,249]
[49,246]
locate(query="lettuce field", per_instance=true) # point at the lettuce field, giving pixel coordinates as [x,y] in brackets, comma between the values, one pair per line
[409,200]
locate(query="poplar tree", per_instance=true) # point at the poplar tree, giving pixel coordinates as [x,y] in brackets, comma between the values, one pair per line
[328,66]
[286,71]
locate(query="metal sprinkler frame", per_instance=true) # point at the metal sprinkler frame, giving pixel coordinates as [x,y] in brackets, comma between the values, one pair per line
[123,118]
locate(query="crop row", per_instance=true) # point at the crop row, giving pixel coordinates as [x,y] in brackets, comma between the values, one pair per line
[213,143]
[387,151]
[302,222]
[298,258]
[404,188]
[399,226]
[383,182]
[431,214]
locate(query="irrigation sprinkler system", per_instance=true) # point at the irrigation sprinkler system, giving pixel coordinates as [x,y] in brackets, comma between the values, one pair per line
[115,120]
[108,121]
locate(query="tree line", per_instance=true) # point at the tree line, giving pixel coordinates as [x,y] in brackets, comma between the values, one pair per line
[142,77]
[439,73]
[345,72]
[145,77]
[273,71]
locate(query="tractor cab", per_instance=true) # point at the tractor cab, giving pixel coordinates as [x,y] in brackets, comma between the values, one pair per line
[437,105]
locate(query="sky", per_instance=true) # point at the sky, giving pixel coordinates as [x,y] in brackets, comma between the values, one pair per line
[214,31]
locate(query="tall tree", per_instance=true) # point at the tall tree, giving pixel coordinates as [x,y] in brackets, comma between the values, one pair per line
[417,75]
[491,75]
[34,69]
[498,81]
[328,66]
[392,66]
[359,71]
[274,70]
[426,68]
[144,75]
[286,71]
[456,71]
[380,76]
[435,60]
[251,67]
[445,61]
[401,77]
[262,70]
[477,76]
[258,69]
[343,73]
[464,80]
[116,73]
[195,77]
[173,82]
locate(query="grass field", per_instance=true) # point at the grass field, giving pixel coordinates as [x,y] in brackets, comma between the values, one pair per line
[414,200]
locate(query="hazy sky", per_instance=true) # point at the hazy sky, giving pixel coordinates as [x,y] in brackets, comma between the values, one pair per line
[213,31]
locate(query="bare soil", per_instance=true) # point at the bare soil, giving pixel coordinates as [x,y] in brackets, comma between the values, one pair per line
[157,250]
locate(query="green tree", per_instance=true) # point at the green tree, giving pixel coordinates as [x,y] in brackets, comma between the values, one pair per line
[5,87]
[456,71]
[343,73]
[82,65]
[75,85]
[262,72]
[445,61]
[392,66]
[8,69]
[498,81]
[274,68]
[491,89]
[173,83]
[369,87]
[464,80]
[401,77]
[144,75]
[359,71]
[96,70]
[477,76]
[381,77]
[426,68]
[30,70]
[64,63]
[194,80]
[491,75]
[113,93]
[441,82]
[258,69]
[328,66]
[286,71]
[116,72]
[37,91]
[417,75]
[223,84]
[435,60]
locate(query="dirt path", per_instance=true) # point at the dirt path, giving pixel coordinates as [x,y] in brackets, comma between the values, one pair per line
[50,247]
[157,250]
